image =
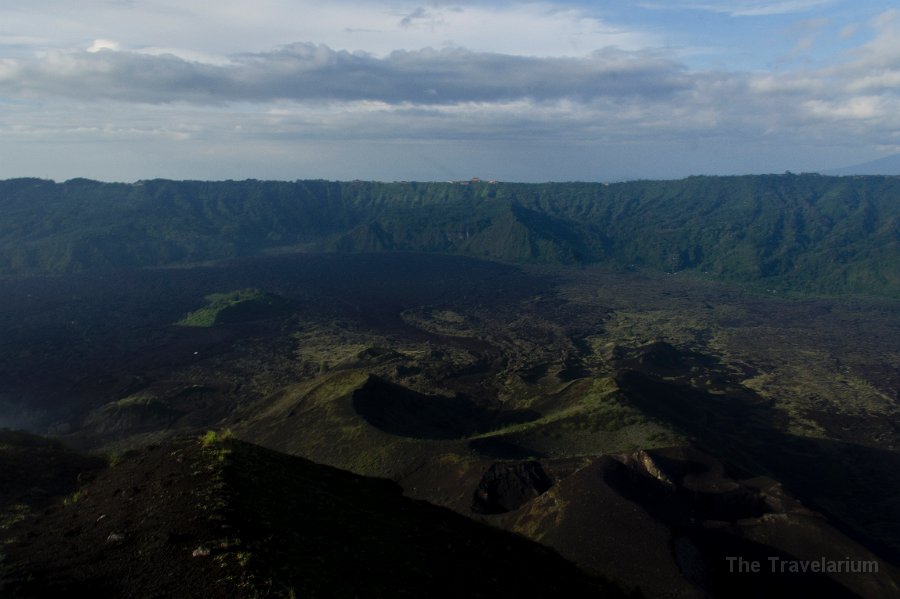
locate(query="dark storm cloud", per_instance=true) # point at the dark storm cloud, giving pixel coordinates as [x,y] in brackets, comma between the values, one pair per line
[308,72]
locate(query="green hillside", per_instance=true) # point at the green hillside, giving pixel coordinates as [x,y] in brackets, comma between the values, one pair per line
[806,233]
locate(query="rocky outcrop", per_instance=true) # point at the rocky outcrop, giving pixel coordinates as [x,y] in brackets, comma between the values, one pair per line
[506,487]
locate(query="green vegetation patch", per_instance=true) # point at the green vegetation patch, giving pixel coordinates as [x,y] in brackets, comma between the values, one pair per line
[234,306]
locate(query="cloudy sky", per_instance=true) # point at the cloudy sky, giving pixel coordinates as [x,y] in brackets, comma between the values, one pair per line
[122,90]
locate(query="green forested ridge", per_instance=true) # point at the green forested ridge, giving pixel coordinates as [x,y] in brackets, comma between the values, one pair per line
[799,232]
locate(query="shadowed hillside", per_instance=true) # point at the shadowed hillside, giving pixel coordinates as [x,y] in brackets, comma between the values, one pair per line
[222,518]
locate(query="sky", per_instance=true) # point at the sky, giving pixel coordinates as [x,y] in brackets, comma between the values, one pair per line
[122,90]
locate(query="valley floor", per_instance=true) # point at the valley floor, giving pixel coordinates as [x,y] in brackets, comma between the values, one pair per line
[644,426]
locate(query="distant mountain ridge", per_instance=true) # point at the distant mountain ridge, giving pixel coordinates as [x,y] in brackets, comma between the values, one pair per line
[807,233]
[887,166]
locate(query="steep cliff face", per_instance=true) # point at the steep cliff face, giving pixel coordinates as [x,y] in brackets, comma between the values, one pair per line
[508,486]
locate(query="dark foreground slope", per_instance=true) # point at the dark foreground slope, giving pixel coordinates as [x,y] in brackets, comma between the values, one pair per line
[223,518]
[789,232]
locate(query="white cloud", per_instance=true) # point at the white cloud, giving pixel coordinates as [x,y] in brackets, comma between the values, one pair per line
[186,55]
[752,8]
[883,51]
[194,84]
[99,45]
[230,26]
[792,84]
[882,81]
[850,109]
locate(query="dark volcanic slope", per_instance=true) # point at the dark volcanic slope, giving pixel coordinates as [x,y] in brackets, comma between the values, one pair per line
[34,471]
[855,484]
[226,518]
